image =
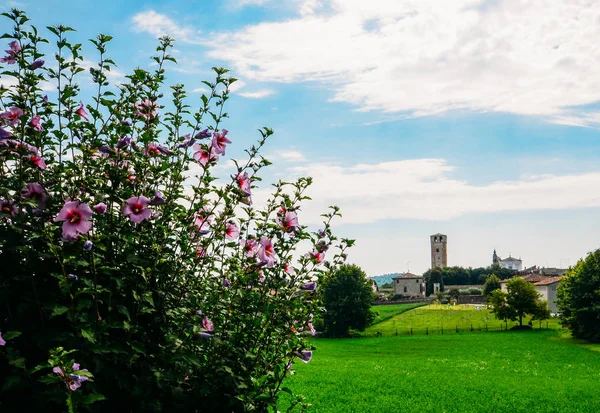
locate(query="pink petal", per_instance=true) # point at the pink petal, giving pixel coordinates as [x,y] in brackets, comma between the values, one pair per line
[69,230]
[83,226]
[146,213]
[143,200]
[64,212]
[86,211]
[136,219]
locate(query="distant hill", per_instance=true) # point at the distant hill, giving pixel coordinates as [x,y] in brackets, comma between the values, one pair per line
[385,278]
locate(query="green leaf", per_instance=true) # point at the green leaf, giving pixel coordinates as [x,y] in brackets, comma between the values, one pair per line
[92,398]
[264,397]
[18,363]
[9,335]
[58,311]
[88,335]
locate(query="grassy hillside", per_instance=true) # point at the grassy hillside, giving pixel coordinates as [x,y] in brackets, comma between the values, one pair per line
[530,371]
[433,318]
[385,312]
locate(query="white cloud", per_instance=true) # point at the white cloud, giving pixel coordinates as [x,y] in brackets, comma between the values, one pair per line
[48,86]
[7,82]
[200,90]
[237,85]
[243,3]
[309,6]
[424,57]
[291,156]
[114,75]
[13,5]
[160,25]
[423,189]
[259,94]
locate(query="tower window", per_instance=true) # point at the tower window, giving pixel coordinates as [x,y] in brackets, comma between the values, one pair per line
[437,250]
[405,289]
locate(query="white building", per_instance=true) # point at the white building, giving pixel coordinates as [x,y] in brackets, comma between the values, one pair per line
[409,285]
[547,289]
[511,263]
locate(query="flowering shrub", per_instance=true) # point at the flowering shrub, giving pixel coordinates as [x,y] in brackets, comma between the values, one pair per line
[121,249]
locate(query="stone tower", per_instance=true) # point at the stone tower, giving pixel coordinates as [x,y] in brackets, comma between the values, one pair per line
[439,250]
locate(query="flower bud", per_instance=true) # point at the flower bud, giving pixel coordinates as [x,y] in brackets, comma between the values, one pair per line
[100,208]
[37,64]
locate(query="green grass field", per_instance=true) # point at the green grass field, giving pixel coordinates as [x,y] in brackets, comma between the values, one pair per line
[510,371]
[386,312]
[433,318]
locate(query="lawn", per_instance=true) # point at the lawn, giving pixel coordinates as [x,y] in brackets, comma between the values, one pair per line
[514,371]
[433,318]
[388,311]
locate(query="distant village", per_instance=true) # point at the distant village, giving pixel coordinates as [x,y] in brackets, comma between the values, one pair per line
[414,286]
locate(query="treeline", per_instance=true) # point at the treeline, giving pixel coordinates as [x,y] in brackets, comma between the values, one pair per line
[463,276]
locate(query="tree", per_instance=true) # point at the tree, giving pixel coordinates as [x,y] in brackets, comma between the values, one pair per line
[347,298]
[579,298]
[454,293]
[498,301]
[387,285]
[542,312]
[491,283]
[434,275]
[522,299]
[502,273]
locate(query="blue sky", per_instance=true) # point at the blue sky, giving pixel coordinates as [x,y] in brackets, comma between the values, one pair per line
[474,118]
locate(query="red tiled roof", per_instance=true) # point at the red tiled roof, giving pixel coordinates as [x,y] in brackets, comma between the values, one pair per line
[548,280]
[532,278]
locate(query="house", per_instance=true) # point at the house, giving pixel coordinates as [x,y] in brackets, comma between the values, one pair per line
[409,285]
[547,289]
[544,285]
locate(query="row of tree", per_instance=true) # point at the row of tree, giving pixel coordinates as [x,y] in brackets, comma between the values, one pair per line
[460,276]
[463,276]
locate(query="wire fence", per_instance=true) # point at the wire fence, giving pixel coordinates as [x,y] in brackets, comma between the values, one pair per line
[454,329]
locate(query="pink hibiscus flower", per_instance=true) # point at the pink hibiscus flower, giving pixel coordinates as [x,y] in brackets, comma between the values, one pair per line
[137,210]
[75,218]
